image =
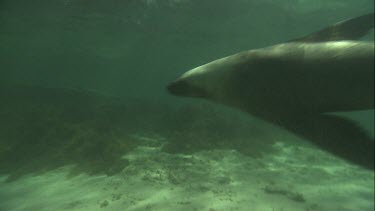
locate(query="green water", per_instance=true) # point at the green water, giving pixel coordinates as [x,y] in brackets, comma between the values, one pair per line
[84,110]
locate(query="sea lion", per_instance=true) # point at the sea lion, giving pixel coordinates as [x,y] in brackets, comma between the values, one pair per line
[298,84]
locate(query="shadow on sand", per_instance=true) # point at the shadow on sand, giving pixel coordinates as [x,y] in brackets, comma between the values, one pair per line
[42,129]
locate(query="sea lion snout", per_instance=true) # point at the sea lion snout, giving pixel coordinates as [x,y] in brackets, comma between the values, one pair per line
[181,87]
[178,88]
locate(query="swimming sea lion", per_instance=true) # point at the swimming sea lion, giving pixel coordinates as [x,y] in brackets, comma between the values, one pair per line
[297,84]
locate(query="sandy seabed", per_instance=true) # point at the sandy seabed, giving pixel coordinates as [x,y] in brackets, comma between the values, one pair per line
[296,178]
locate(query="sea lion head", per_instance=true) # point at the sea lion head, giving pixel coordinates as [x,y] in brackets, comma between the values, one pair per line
[214,81]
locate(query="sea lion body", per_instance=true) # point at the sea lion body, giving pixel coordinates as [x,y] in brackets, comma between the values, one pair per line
[288,78]
[298,84]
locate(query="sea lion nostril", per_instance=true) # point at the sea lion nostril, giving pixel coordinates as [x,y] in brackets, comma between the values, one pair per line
[177,88]
[185,89]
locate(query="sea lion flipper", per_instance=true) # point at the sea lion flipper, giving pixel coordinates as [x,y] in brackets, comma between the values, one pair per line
[342,137]
[350,29]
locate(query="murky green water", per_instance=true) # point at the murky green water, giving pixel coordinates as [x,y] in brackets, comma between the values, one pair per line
[86,122]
